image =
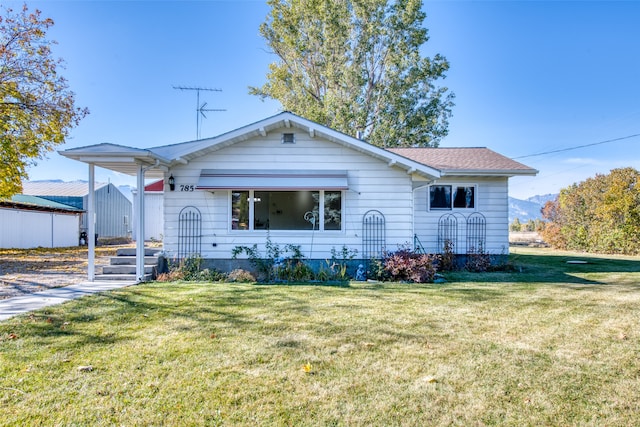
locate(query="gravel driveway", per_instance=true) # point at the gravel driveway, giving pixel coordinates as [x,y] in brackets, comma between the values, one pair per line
[24,271]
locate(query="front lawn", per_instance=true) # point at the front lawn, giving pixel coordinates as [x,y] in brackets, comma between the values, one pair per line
[549,344]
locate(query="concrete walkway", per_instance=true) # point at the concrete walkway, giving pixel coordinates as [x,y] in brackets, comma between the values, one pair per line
[23,304]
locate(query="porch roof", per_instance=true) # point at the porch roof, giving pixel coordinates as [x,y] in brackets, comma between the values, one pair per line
[120,158]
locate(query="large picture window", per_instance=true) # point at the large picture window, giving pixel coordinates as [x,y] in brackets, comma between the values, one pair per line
[452,197]
[286,210]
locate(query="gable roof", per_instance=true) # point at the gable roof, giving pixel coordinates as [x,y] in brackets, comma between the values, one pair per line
[466,161]
[185,152]
[430,163]
[158,159]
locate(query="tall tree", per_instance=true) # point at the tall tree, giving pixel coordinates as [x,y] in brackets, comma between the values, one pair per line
[600,214]
[356,66]
[37,109]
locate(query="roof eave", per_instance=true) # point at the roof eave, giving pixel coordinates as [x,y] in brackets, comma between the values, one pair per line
[490,172]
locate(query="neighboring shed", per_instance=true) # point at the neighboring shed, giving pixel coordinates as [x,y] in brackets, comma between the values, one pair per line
[113,209]
[153,211]
[31,222]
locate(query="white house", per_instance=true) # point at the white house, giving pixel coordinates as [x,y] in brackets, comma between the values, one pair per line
[297,182]
[31,222]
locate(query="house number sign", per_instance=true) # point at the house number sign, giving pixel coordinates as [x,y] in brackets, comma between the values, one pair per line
[187,187]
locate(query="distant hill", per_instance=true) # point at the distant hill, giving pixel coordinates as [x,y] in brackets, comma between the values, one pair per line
[528,209]
[542,199]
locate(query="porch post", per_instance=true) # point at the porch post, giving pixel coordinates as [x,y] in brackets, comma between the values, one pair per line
[91,225]
[140,226]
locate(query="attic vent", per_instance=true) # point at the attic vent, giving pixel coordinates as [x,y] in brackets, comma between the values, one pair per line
[288,138]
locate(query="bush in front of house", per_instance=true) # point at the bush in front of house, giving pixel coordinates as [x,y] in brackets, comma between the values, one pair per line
[408,266]
[478,260]
[188,269]
[277,263]
[240,276]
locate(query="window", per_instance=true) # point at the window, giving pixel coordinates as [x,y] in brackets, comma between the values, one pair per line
[239,210]
[440,197]
[463,197]
[448,197]
[332,210]
[286,210]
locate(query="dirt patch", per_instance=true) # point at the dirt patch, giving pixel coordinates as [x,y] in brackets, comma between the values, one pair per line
[24,271]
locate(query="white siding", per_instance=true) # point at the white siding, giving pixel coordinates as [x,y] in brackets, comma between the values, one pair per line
[31,229]
[491,201]
[372,185]
[153,215]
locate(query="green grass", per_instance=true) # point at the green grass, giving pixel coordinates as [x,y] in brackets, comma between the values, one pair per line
[550,344]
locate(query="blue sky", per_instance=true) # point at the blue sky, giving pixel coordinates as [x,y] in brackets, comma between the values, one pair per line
[529,77]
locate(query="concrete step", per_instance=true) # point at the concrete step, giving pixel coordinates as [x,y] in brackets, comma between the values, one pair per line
[128,277]
[131,260]
[132,251]
[127,269]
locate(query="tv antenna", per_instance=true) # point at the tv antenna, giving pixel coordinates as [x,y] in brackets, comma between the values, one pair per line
[200,108]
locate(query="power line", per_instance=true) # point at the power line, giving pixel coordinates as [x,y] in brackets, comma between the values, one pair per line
[578,146]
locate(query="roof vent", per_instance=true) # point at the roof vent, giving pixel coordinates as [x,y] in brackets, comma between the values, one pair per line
[288,138]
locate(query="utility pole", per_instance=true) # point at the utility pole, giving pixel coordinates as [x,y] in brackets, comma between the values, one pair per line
[200,109]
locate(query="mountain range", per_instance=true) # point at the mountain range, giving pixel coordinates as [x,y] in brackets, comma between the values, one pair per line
[528,209]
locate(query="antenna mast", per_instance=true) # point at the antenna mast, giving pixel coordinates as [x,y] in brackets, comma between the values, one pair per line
[200,109]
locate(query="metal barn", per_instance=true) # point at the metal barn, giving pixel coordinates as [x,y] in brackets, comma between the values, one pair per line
[113,209]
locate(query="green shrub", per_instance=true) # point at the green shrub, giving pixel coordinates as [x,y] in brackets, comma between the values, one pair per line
[274,264]
[188,269]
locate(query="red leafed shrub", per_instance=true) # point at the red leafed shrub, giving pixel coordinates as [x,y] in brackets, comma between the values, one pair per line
[406,265]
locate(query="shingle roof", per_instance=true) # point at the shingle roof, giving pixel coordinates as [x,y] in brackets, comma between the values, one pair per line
[54,188]
[465,160]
